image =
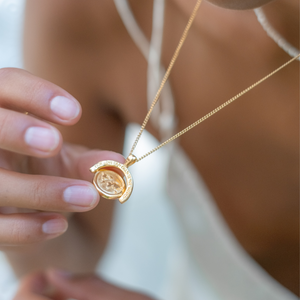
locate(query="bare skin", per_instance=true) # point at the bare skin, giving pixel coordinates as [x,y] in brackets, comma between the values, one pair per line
[247,154]
[62,286]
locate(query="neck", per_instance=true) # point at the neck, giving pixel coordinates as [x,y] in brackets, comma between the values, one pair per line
[283,15]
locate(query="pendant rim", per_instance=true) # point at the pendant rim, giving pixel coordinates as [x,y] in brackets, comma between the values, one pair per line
[114,164]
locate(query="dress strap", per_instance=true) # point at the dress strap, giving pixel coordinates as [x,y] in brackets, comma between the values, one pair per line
[163,116]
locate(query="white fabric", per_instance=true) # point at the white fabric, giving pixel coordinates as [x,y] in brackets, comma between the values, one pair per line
[11,21]
[232,273]
[163,114]
[274,35]
[218,266]
[11,34]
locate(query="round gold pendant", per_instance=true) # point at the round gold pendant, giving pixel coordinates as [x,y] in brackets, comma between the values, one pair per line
[109,183]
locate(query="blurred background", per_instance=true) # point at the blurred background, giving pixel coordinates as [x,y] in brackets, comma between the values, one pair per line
[146,238]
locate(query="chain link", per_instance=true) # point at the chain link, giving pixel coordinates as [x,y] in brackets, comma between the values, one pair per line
[165,78]
[167,74]
[216,109]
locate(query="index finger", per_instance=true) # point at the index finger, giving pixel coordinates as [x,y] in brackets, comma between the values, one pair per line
[22,91]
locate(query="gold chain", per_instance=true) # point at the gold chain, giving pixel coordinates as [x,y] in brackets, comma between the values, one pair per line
[165,78]
[184,35]
[216,109]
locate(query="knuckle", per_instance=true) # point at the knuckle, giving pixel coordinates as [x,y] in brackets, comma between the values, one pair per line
[23,232]
[6,75]
[35,91]
[5,122]
[16,234]
[37,192]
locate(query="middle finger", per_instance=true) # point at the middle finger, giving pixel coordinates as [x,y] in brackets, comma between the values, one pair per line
[27,135]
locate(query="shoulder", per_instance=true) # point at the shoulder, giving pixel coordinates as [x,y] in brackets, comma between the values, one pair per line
[72,21]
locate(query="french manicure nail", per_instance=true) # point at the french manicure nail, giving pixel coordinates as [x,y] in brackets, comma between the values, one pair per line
[55,226]
[64,108]
[42,139]
[81,196]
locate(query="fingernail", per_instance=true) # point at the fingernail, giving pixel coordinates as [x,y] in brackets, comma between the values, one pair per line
[64,108]
[42,139]
[81,196]
[55,226]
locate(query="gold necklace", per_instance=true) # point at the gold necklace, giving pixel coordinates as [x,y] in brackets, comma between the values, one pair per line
[107,179]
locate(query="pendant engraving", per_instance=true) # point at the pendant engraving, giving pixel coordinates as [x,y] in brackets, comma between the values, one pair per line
[109,183]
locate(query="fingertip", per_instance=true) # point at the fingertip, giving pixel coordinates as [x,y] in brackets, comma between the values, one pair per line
[100,155]
[43,142]
[82,196]
[90,158]
[52,224]
[114,156]
[55,227]
[66,109]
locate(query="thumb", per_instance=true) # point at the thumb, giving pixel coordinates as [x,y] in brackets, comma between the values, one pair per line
[67,285]
[33,287]
[89,287]
[78,160]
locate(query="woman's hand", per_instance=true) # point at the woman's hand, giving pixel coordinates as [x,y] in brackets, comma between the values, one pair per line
[39,174]
[55,285]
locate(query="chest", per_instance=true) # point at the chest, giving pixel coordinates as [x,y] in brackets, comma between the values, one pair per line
[246,153]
